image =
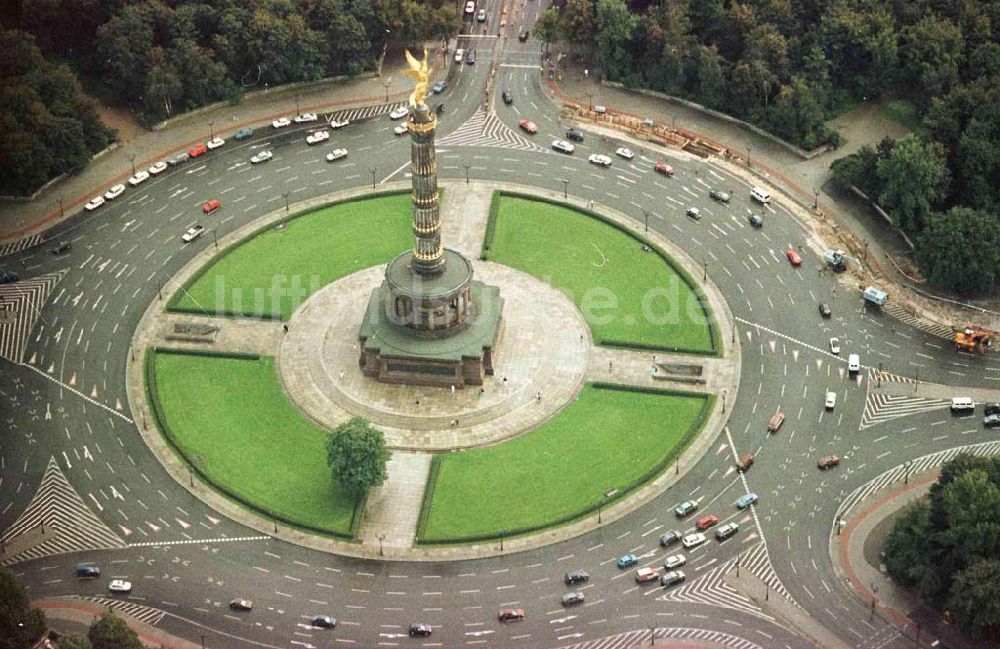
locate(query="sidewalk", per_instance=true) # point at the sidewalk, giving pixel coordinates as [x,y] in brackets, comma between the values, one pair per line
[73,615]
[20,219]
[855,556]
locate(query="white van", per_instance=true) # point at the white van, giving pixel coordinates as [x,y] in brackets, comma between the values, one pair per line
[962,404]
[853,363]
[760,195]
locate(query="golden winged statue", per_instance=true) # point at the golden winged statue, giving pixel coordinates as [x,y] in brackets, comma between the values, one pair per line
[418,71]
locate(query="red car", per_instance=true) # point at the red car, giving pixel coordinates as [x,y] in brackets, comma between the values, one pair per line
[664,168]
[528,126]
[199,149]
[707,522]
[828,462]
[510,614]
[793,257]
[211,205]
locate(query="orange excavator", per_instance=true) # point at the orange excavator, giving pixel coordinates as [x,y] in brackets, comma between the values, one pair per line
[973,338]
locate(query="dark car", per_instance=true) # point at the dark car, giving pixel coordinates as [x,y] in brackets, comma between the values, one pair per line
[685,508]
[670,538]
[991,409]
[671,578]
[240,604]
[85,570]
[576,597]
[439,87]
[718,195]
[243,133]
[756,220]
[508,97]
[825,310]
[991,421]
[324,622]
[61,247]
[576,577]
[470,58]
[420,629]
[745,462]
[510,614]
[523,36]
[828,462]
[574,135]
[9,277]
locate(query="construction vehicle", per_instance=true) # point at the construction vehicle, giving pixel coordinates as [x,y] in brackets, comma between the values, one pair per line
[973,338]
[837,260]
[875,296]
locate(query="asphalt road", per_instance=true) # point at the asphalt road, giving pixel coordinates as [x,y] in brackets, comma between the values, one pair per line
[65,423]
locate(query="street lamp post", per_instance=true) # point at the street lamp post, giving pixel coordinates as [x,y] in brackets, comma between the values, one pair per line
[297,104]
[372,170]
[748,156]
[879,384]
[467,173]
[906,476]
[503,533]
[645,217]
[285,196]
[215,233]
[203,641]
[386,83]
[815,198]
[590,101]
[724,392]
[565,188]
[131,158]
[211,132]
[62,212]
[608,493]
[380,537]
[874,601]
[704,276]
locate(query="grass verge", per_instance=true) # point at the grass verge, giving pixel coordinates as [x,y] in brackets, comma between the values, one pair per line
[609,438]
[228,417]
[902,111]
[271,273]
[629,298]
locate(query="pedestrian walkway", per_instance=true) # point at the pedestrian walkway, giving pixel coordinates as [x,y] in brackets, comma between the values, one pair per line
[392,510]
[21,305]
[76,614]
[484,128]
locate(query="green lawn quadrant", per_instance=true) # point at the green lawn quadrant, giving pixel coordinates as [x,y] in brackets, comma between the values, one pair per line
[627,296]
[606,439]
[252,442]
[273,272]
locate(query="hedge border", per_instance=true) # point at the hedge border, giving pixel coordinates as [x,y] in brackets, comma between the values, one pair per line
[654,471]
[159,419]
[713,327]
[200,272]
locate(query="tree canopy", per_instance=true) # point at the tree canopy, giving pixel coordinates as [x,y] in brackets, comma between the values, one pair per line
[946,547]
[20,625]
[357,456]
[111,632]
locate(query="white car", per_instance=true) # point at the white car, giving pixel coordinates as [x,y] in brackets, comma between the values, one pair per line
[562,146]
[692,540]
[674,561]
[835,345]
[599,159]
[139,178]
[158,168]
[470,7]
[831,400]
[694,213]
[399,113]
[193,233]
[262,156]
[402,129]
[114,192]
[94,203]
[281,122]
[305,118]
[120,586]
[215,143]
[459,55]
[337,154]
[317,137]
[600,110]
[625,152]
[339,123]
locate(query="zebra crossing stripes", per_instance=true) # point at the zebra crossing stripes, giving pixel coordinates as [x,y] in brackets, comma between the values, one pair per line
[933,328]
[484,128]
[146,614]
[19,245]
[224,539]
[899,472]
[712,589]
[640,637]
[364,112]
[25,300]
[887,377]
[880,408]
[70,525]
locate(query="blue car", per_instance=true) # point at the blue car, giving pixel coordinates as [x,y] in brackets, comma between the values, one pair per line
[627,560]
[746,500]
[243,133]
[439,87]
